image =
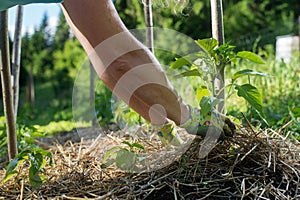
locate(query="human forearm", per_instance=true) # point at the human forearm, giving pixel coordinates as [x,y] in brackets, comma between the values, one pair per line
[126,66]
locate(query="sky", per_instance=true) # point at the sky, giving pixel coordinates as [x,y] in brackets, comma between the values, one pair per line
[33,14]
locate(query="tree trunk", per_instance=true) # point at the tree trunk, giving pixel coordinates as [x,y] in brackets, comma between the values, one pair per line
[30,88]
[218,33]
[16,58]
[149,24]
[299,32]
[6,87]
[92,96]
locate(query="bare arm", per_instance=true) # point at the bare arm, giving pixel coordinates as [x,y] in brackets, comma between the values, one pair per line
[124,64]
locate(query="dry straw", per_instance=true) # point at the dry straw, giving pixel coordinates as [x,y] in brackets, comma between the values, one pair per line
[250,165]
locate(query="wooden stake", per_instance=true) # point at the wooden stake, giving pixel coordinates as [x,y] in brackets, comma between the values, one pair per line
[6,87]
[218,34]
[149,24]
[16,58]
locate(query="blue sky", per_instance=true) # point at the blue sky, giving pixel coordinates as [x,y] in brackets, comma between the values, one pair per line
[33,15]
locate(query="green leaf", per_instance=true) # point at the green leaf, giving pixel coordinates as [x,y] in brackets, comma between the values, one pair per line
[111,152]
[127,143]
[187,60]
[251,94]
[13,165]
[248,72]
[208,103]
[207,44]
[262,117]
[250,56]
[193,72]
[9,175]
[34,179]
[108,163]
[138,145]
[179,63]
[125,159]
[296,112]
[201,92]
[294,118]
[10,170]
[36,161]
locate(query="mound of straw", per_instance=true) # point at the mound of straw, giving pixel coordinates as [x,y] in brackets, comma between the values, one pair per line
[250,165]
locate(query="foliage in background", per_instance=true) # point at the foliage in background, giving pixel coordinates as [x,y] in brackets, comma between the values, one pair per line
[103,105]
[280,93]
[245,21]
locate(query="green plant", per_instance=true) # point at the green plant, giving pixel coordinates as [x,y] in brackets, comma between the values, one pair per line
[37,159]
[103,104]
[208,64]
[125,116]
[29,153]
[126,158]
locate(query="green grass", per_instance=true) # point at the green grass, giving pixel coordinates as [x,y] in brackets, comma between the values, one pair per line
[280,92]
[48,107]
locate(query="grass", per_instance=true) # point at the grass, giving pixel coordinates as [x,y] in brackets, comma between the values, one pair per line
[49,106]
[282,88]
[280,91]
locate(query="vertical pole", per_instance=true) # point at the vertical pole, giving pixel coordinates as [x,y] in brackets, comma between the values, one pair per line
[217,21]
[149,24]
[218,34]
[16,58]
[92,96]
[6,87]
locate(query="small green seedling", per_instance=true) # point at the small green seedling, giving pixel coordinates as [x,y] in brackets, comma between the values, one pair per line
[37,159]
[126,158]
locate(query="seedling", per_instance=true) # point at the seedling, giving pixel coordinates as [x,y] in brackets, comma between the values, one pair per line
[207,64]
[37,159]
[126,158]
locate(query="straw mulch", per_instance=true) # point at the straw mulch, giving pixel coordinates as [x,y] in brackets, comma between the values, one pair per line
[250,165]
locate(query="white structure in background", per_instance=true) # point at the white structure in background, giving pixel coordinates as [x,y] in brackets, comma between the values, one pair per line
[286,45]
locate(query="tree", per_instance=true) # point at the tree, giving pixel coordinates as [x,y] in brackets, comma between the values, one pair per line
[245,21]
[37,59]
[27,64]
[131,12]
[6,87]
[62,33]
[66,63]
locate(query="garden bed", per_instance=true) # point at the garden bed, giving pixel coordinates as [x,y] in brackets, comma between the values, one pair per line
[251,165]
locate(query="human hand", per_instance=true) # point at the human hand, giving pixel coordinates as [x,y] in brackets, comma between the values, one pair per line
[199,124]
